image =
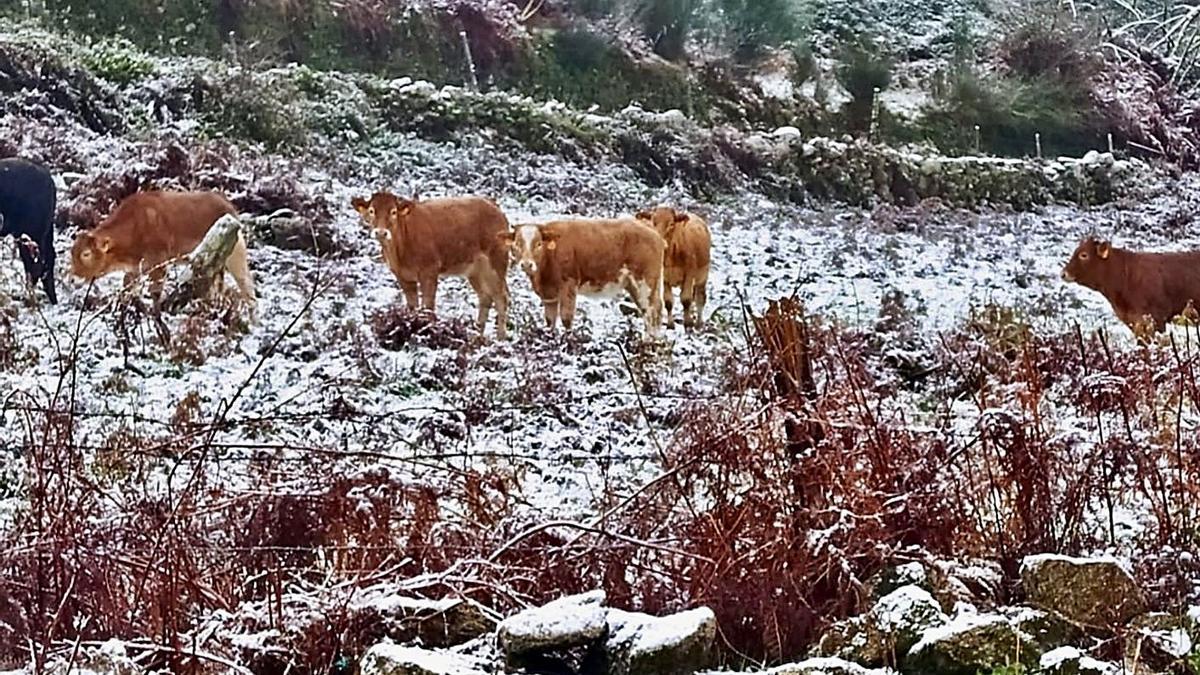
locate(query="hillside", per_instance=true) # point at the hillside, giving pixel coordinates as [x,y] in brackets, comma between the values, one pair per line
[900,443]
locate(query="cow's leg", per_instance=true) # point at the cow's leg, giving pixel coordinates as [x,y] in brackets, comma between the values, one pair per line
[501,298]
[550,308]
[654,309]
[29,260]
[687,298]
[411,298]
[158,276]
[483,297]
[238,264]
[567,305]
[429,286]
[48,258]
[700,300]
[669,307]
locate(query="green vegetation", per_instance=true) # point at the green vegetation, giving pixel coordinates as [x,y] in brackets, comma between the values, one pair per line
[666,24]
[754,25]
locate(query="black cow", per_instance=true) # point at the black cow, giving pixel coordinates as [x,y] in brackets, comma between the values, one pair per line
[27,200]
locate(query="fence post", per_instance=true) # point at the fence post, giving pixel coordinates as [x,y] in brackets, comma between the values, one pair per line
[1037,140]
[474,81]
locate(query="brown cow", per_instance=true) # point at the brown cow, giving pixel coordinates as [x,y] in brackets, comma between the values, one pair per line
[687,261]
[424,241]
[150,229]
[1141,287]
[592,257]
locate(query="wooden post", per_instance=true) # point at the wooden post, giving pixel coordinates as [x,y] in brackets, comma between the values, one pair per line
[205,264]
[977,139]
[1037,140]
[875,104]
[1110,144]
[474,81]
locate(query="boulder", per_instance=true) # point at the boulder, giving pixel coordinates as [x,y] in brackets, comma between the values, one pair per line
[905,614]
[435,623]
[1160,640]
[1071,661]
[857,639]
[969,644]
[391,659]
[639,644]
[827,666]
[1049,630]
[575,621]
[1089,591]
[888,631]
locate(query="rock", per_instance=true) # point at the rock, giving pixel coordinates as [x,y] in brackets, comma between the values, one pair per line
[574,621]
[1093,592]
[857,640]
[391,659]
[1159,640]
[827,666]
[639,644]
[969,644]
[887,632]
[904,615]
[1071,661]
[435,623]
[786,133]
[1049,630]
[291,232]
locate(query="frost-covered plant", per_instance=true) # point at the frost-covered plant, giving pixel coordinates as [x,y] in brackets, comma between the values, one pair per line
[753,25]
[118,60]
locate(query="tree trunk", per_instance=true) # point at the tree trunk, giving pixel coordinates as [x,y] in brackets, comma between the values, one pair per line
[205,264]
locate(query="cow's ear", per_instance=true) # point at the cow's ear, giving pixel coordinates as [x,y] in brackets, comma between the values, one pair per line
[681,216]
[550,239]
[406,207]
[1103,249]
[104,244]
[507,237]
[361,205]
[643,215]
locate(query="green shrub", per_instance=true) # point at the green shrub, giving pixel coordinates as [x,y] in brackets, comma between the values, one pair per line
[580,49]
[753,25]
[666,24]
[118,60]
[863,69]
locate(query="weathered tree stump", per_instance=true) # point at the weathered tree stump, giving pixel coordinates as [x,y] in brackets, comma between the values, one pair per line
[206,264]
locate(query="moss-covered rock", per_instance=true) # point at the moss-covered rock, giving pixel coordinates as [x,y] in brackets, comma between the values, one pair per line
[1071,661]
[1048,630]
[971,644]
[886,633]
[1093,592]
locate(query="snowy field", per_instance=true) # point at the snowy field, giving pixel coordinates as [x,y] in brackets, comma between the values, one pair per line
[571,414]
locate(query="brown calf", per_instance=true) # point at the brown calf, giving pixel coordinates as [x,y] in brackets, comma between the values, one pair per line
[424,241]
[686,264]
[594,257]
[149,229]
[1141,287]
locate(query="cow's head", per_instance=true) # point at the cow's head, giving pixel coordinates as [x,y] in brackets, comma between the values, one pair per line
[529,246]
[664,220]
[91,256]
[383,213]
[1089,266]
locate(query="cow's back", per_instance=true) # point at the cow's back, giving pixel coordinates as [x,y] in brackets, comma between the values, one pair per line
[162,224]
[691,246]
[594,252]
[452,232]
[27,195]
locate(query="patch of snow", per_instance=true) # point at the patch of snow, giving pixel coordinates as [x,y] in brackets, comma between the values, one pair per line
[384,657]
